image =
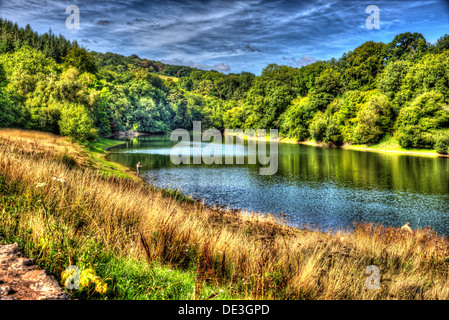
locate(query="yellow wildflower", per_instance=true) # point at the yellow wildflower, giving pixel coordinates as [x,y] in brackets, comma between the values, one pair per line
[101,287]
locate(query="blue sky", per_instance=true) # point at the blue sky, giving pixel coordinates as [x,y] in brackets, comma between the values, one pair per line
[231,36]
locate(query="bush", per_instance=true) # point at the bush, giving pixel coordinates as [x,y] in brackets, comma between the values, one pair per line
[333,135]
[442,143]
[318,127]
[48,119]
[76,123]
[418,122]
[415,137]
[294,122]
[373,120]
[10,113]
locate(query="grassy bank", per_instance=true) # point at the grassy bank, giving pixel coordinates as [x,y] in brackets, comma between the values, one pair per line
[390,144]
[145,244]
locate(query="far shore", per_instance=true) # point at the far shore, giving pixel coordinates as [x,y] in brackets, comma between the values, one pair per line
[374,148]
[347,146]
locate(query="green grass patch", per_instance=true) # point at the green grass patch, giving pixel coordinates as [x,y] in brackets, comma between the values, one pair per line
[132,279]
[101,144]
[96,151]
[390,143]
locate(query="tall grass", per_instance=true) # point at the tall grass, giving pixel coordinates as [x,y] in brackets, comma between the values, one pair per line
[253,256]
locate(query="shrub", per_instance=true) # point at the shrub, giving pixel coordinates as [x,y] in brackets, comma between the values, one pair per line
[373,120]
[333,134]
[294,122]
[48,119]
[415,137]
[76,123]
[418,122]
[318,127]
[442,143]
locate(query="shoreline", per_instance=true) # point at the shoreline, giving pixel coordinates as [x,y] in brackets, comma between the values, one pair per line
[283,219]
[347,146]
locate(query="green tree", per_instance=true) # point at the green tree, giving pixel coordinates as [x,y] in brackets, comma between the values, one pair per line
[327,86]
[419,122]
[374,119]
[429,74]
[363,65]
[296,120]
[76,123]
[442,143]
[407,46]
[318,126]
[441,45]
[26,67]
[391,80]
[81,59]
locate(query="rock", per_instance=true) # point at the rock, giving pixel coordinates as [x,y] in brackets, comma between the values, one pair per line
[19,279]
[5,260]
[9,249]
[129,134]
[126,134]
[4,290]
[23,264]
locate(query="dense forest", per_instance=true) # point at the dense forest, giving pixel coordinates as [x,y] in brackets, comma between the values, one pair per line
[399,89]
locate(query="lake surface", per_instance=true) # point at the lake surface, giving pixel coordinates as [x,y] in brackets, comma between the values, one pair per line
[324,187]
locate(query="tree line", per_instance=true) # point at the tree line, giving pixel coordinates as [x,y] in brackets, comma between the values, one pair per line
[399,89]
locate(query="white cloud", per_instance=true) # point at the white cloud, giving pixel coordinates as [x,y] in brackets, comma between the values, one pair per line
[303,61]
[223,66]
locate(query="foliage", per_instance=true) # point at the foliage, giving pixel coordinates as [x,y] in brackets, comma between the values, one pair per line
[295,121]
[373,120]
[318,126]
[400,88]
[363,66]
[81,59]
[76,122]
[441,45]
[442,143]
[418,122]
[407,46]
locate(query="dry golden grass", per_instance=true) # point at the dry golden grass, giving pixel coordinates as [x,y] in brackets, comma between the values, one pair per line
[41,144]
[38,142]
[253,254]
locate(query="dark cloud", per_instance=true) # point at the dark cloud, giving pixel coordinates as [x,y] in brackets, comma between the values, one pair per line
[249,48]
[222,66]
[144,23]
[104,22]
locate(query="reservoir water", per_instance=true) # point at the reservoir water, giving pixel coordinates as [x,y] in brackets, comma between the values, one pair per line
[323,187]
